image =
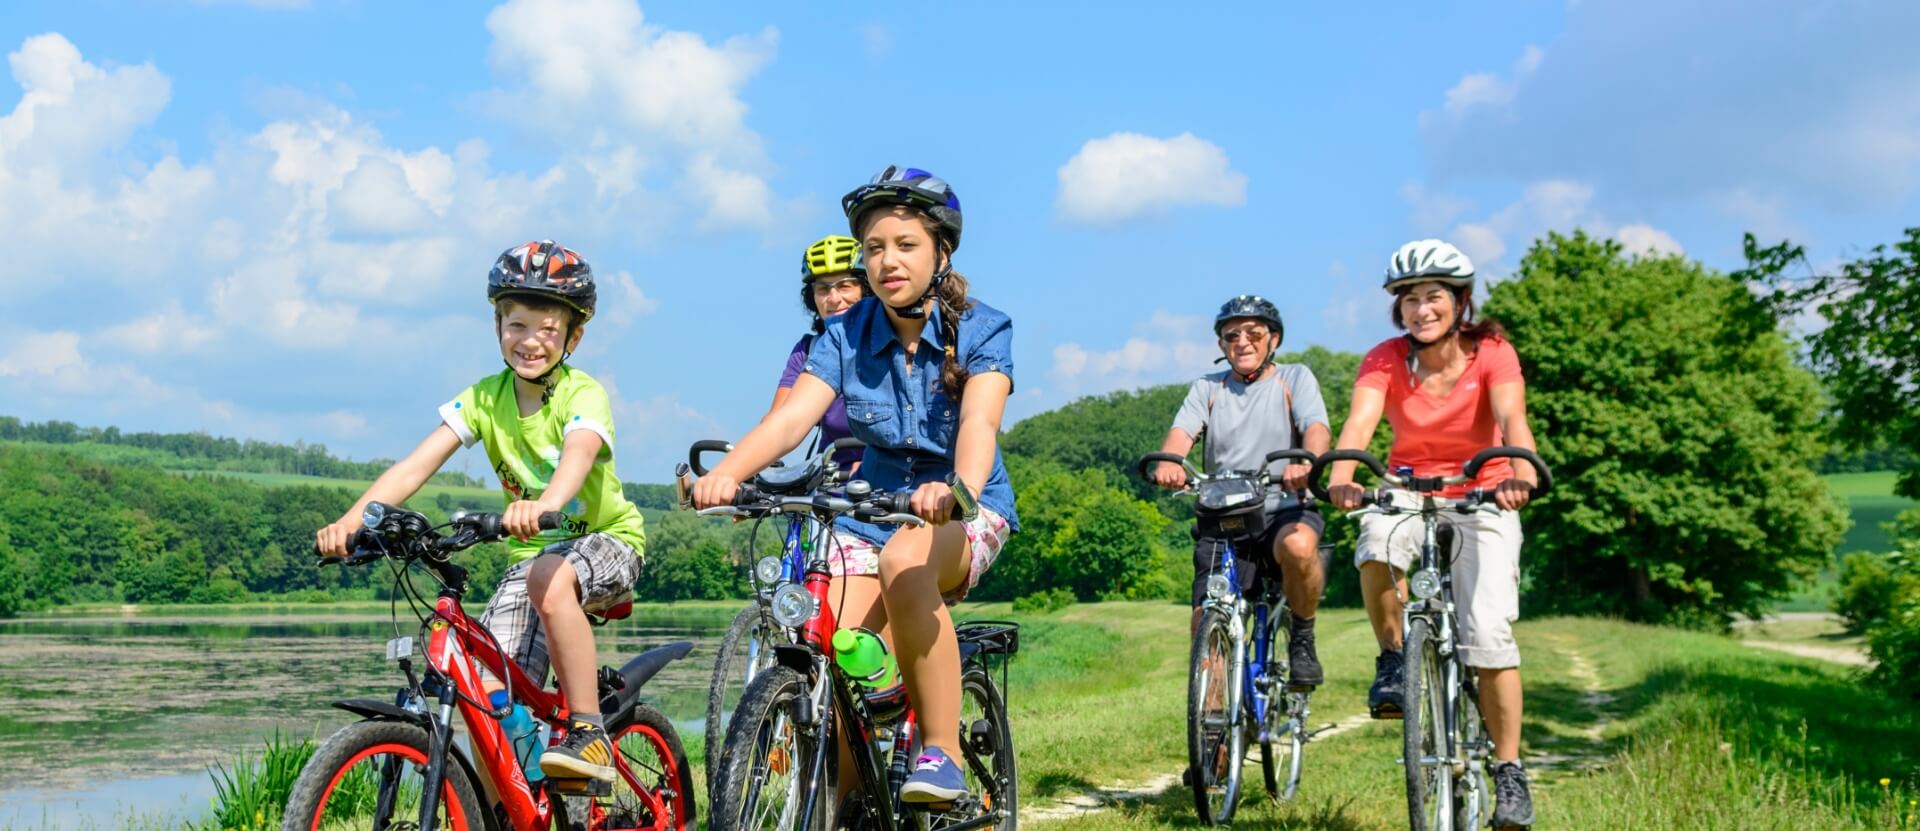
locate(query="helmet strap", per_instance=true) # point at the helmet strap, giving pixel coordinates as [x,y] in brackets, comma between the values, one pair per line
[545,379]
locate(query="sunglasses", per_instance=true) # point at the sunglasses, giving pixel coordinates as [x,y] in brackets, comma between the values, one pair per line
[1252,334]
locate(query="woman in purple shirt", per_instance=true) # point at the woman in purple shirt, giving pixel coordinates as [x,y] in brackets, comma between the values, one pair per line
[833,277]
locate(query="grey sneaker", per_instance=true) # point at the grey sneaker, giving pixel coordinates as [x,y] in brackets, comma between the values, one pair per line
[1513,801]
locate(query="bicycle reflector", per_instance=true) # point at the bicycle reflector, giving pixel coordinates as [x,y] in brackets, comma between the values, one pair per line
[767,570]
[1424,583]
[1218,588]
[791,605]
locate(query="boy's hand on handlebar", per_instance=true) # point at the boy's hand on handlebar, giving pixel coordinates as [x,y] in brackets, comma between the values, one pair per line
[933,502]
[1346,495]
[1170,475]
[1294,476]
[522,518]
[714,490]
[1513,494]
[331,540]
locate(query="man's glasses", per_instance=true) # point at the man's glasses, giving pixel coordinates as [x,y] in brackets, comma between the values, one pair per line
[1252,334]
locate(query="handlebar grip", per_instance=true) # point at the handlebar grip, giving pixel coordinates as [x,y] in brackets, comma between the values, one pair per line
[1316,478]
[551,520]
[1298,454]
[1472,468]
[845,443]
[705,446]
[1156,457]
[355,542]
[747,496]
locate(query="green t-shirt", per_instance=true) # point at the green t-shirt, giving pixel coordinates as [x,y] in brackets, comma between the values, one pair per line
[525,451]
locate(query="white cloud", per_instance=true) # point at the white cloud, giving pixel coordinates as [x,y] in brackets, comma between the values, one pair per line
[70,108]
[169,331]
[1127,175]
[1165,347]
[1642,239]
[1432,210]
[622,301]
[1485,88]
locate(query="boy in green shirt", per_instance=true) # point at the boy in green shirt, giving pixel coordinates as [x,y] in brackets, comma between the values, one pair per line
[549,436]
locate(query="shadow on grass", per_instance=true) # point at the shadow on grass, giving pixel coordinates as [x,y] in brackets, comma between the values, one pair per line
[1174,809]
[1055,783]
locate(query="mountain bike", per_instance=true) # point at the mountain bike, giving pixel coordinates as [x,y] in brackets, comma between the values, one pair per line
[1234,697]
[780,762]
[399,767]
[1445,742]
[747,648]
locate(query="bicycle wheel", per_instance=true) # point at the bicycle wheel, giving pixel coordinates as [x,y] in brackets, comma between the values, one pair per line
[743,653]
[1284,736]
[371,774]
[766,772]
[653,771]
[1429,782]
[987,747]
[1473,800]
[1216,744]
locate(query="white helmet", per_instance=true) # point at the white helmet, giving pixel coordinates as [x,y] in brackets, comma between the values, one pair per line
[1429,260]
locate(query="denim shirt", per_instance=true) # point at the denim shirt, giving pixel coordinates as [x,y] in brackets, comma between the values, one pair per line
[906,419]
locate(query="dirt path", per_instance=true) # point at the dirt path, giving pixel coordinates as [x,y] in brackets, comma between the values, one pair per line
[1836,654]
[1595,698]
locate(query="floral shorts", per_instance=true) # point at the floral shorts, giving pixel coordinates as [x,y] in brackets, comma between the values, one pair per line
[986,535]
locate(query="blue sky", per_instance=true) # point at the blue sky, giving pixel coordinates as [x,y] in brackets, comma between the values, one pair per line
[273,219]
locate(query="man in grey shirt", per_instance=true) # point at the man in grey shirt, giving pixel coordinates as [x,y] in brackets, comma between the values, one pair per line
[1246,412]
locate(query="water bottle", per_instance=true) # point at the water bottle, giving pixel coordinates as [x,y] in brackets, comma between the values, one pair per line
[523,733]
[863,656]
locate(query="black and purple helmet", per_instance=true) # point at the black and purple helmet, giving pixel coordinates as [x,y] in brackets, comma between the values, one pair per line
[912,187]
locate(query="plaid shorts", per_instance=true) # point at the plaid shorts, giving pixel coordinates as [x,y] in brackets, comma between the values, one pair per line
[606,568]
[849,554]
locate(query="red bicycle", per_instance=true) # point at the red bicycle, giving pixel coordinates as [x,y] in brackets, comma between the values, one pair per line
[400,768]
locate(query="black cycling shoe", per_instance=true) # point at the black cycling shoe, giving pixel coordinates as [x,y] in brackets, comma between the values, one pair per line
[1385,699]
[1303,661]
[1513,801]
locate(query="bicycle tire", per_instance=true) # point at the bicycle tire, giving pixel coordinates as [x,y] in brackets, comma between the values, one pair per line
[735,663]
[1216,747]
[1429,787]
[650,750]
[329,782]
[983,721]
[1473,798]
[1286,726]
[763,741]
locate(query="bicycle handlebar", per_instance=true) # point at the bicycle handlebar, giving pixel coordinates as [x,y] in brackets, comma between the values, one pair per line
[706,446]
[1157,456]
[1468,473]
[406,526]
[891,508]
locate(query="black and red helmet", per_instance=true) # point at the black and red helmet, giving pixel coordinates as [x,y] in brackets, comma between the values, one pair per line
[544,269]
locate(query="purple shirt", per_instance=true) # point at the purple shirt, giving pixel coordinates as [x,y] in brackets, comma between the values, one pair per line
[833,425]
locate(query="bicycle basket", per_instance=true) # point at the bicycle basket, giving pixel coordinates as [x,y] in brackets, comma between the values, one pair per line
[1231,508]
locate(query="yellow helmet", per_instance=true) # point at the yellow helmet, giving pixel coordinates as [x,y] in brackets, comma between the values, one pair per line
[832,255]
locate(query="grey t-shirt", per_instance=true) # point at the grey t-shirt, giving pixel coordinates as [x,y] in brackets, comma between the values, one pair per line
[1245,422]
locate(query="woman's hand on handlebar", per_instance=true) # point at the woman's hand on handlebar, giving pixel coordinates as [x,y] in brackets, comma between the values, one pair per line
[1170,475]
[1346,496]
[714,490]
[933,502]
[331,540]
[1513,494]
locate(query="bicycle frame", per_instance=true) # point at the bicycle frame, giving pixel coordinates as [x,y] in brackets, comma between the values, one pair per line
[1439,611]
[1254,689]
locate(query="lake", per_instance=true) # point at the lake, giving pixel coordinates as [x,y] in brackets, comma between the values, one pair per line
[106,716]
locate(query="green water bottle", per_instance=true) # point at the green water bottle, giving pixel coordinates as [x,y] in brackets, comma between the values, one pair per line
[863,656]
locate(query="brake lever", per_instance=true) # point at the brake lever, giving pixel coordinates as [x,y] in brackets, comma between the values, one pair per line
[900,519]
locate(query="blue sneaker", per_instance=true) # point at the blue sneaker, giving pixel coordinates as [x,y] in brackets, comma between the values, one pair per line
[935,779]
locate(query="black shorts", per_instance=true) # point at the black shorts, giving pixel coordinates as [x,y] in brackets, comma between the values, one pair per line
[1250,556]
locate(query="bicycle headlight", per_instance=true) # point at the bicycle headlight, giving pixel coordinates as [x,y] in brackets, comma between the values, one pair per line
[1218,588]
[767,570]
[375,514]
[792,605]
[1424,583]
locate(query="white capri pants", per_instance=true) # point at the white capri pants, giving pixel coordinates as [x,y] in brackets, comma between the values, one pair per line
[1486,572]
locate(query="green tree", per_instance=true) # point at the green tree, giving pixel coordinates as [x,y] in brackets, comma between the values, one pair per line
[1108,546]
[1680,432]
[13,587]
[1868,351]
[703,572]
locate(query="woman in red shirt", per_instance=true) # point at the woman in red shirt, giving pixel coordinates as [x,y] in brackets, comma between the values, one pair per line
[1450,387]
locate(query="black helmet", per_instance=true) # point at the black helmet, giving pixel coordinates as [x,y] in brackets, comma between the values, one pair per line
[543,269]
[1251,306]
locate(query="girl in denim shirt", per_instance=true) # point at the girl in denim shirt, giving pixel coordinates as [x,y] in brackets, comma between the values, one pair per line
[926,371]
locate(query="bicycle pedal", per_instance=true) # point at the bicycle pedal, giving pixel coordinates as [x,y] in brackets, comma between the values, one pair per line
[581,787]
[1387,712]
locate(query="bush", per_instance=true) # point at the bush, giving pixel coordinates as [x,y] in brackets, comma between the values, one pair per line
[1043,602]
[1870,585]
[1894,644]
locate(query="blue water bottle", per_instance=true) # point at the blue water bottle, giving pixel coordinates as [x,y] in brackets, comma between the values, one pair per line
[523,733]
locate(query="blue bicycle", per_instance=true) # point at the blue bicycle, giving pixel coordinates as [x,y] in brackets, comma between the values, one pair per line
[1239,635]
[747,648]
